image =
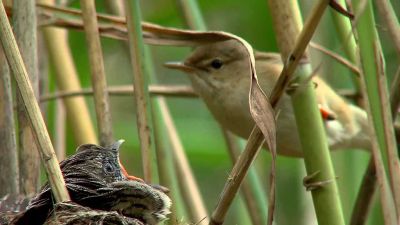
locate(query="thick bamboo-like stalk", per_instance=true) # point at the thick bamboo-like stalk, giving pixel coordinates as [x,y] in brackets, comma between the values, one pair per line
[143,113]
[99,83]
[187,182]
[49,159]
[9,177]
[287,23]
[24,25]
[316,153]
[67,80]
[374,79]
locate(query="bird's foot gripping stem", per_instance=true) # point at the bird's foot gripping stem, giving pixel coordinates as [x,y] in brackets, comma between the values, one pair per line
[313,185]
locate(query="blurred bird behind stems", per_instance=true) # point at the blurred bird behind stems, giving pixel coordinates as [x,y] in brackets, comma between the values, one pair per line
[95,178]
[219,73]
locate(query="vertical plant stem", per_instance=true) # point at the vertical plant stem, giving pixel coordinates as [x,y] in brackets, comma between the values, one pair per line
[67,80]
[378,100]
[195,21]
[386,11]
[395,94]
[43,71]
[343,26]
[15,61]
[191,12]
[99,83]
[143,113]
[187,182]
[165,163]
[165,166]
[177,161]
[388,207]
[287,24]
[24,20]
[60,135]
[115,7]
[251,189]
[9,176]
[364,199]
[326,199]
[368,185]
[345,32]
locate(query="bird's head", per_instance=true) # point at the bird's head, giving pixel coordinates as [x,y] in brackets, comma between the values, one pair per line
[93,162]
[213,66]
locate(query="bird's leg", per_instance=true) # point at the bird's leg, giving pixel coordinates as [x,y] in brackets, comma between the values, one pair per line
[313,185]
[292,88]
[327,115]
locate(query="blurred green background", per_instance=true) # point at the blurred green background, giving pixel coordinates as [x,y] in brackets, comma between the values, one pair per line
[199,132]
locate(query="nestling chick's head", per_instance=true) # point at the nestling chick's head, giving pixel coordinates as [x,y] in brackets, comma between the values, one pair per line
[94,162]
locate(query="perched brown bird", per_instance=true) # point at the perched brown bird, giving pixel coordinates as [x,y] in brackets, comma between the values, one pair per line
[219,73]
[95,179]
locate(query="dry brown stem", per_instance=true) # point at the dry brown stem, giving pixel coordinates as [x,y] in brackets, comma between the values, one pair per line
[31,106]
[97,72]
[24,25]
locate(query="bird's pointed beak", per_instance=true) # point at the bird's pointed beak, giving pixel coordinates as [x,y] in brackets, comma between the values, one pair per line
[117,144]
[180,66]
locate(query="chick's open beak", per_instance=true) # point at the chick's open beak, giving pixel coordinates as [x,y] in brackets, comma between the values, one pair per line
[180,66]
[129,177]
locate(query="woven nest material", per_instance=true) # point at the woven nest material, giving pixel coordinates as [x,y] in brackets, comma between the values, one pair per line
[70,213]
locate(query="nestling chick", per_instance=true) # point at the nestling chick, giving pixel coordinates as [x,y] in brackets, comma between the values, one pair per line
[219,73]
[94,179]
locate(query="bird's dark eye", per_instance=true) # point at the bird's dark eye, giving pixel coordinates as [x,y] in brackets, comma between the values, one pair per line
[108,168]
[217,63]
